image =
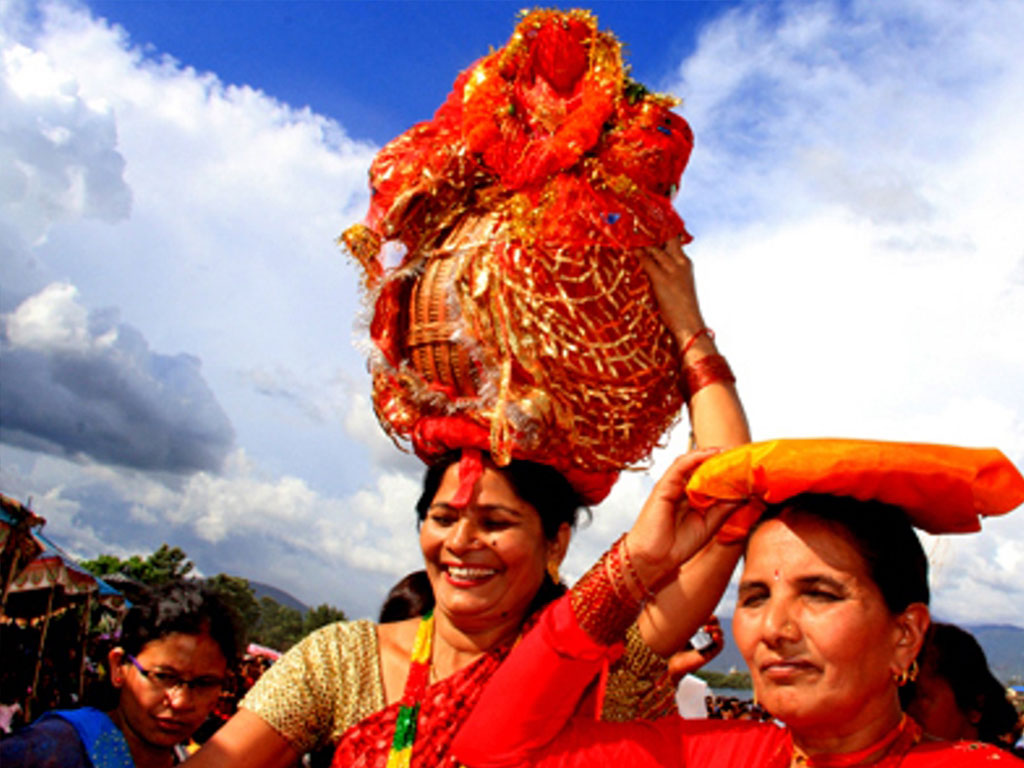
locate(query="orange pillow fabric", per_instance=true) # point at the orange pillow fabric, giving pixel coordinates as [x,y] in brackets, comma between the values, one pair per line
[943,488]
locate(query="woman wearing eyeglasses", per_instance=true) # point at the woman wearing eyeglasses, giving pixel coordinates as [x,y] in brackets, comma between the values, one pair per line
[177,645]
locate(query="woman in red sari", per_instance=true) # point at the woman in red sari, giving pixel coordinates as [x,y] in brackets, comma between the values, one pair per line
[489,559]
[831,613]
[531,303]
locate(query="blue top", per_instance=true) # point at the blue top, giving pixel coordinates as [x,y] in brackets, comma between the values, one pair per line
[67,738]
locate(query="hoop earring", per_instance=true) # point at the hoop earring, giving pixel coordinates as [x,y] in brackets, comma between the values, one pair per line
[553,571]
[908,675]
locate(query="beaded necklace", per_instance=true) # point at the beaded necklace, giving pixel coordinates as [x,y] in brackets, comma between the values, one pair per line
[400,755]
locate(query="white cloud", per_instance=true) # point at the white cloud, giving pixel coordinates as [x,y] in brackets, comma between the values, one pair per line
[853,193]
[58,162]
[52,321]
[204,214]
[59,158]
[344,550]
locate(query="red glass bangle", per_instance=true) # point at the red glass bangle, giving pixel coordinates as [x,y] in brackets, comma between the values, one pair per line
[708,370]
[693,339]
[631,570]
[601,609]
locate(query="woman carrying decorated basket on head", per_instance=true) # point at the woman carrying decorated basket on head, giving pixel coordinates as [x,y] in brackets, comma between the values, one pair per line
[535,330]
[830,616]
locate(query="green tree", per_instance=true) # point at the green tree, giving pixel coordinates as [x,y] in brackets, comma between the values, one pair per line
[165,564]
[321,616]
[103,565]
[237,593]
[265,621]
[735,680]
[279,626]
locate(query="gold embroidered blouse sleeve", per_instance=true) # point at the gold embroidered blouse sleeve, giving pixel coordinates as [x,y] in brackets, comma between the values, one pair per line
[639,683]
[322,686]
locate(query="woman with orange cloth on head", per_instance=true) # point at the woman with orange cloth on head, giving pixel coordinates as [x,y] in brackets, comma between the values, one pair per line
[831,613]
[539,333]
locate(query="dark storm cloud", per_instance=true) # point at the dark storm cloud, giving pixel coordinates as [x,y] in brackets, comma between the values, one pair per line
[84,385]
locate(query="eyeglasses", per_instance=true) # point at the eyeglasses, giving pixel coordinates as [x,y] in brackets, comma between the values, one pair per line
[207,685]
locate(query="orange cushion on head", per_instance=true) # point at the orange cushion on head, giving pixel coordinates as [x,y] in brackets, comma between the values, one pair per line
[942,488]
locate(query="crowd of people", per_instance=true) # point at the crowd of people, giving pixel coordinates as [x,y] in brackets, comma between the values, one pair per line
[735,708]
[59,679]
[538,198]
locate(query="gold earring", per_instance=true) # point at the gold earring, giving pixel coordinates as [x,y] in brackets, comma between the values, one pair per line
[553,571]
[907,675]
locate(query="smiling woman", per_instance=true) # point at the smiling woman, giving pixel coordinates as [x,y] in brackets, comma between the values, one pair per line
[831,615]
[535,331]
[489,559]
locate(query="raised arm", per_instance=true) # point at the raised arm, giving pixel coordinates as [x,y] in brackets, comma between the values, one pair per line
[682,606]
[537,690]
[717,420]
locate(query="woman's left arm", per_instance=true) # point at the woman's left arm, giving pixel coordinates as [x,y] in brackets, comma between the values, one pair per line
[717,419]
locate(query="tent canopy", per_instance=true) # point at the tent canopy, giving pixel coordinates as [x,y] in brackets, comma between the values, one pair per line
[54,570]
[17,544]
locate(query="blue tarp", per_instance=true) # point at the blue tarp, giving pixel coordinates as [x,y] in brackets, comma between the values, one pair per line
[52,550]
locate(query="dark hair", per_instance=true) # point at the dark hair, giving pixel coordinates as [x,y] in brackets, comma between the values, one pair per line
[184,606]
[956,656]
[542,487]
[409,597]
[881,534]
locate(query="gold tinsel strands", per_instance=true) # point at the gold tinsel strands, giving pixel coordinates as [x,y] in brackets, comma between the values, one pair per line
[520,303]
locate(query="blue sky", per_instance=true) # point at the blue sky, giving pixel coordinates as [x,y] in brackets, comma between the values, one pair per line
[181,355]
[350,60]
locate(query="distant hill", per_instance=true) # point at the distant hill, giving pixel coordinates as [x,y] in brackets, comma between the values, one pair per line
[729,659]
[265,590]
[1004,648]
[1003,645]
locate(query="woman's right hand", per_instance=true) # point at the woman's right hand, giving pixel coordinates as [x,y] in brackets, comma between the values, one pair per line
[690,659]
[668,531]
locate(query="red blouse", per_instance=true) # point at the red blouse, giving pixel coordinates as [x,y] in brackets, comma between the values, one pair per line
[526,716]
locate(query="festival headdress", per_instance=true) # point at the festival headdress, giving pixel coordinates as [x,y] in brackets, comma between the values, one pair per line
[517,318]
[942,488]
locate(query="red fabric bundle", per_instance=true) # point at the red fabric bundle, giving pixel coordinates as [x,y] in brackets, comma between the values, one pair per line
[519,305]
